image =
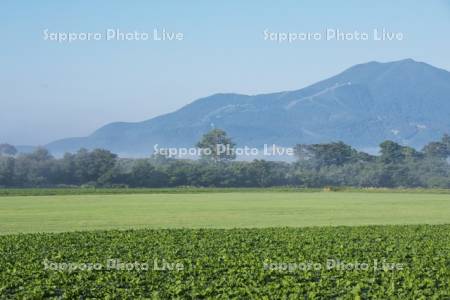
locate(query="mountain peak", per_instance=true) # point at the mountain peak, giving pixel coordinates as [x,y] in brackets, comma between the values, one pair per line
[381,65]
[408,60]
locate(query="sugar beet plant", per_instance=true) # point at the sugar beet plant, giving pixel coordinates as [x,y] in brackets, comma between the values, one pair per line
[373,262]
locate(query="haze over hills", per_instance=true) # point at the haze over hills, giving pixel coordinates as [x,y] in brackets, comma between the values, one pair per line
[405,101]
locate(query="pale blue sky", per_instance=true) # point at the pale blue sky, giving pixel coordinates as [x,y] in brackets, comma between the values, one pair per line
[52,90]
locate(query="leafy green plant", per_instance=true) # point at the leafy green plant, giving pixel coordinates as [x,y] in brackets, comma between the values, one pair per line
[231,263]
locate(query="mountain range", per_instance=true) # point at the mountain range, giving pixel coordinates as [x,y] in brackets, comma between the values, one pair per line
[405,101]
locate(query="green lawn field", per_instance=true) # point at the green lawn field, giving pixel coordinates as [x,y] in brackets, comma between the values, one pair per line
[60,213]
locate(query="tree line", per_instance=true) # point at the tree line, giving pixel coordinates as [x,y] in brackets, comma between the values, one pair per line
[317,165]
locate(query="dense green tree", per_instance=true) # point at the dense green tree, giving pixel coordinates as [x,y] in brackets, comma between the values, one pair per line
[392,152]
[144,174]
[327,154]
[439,149]
[6,171]
[91,165]
[34,169]
[267,173]
[7,149]
[217,146]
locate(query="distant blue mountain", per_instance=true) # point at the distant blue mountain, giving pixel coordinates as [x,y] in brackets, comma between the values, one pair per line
[405,101]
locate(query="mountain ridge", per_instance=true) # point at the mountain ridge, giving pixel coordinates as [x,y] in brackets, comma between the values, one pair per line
[405,101]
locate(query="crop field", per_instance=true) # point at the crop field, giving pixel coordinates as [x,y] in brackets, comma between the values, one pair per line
[369,262]
[244,244]
[62,213]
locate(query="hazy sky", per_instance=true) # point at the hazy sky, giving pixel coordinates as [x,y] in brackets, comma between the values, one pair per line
[51,90]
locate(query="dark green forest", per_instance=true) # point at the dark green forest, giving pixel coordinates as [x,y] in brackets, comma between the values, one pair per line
[318,165]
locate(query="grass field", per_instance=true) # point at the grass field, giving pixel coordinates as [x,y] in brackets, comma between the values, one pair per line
[248,209]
